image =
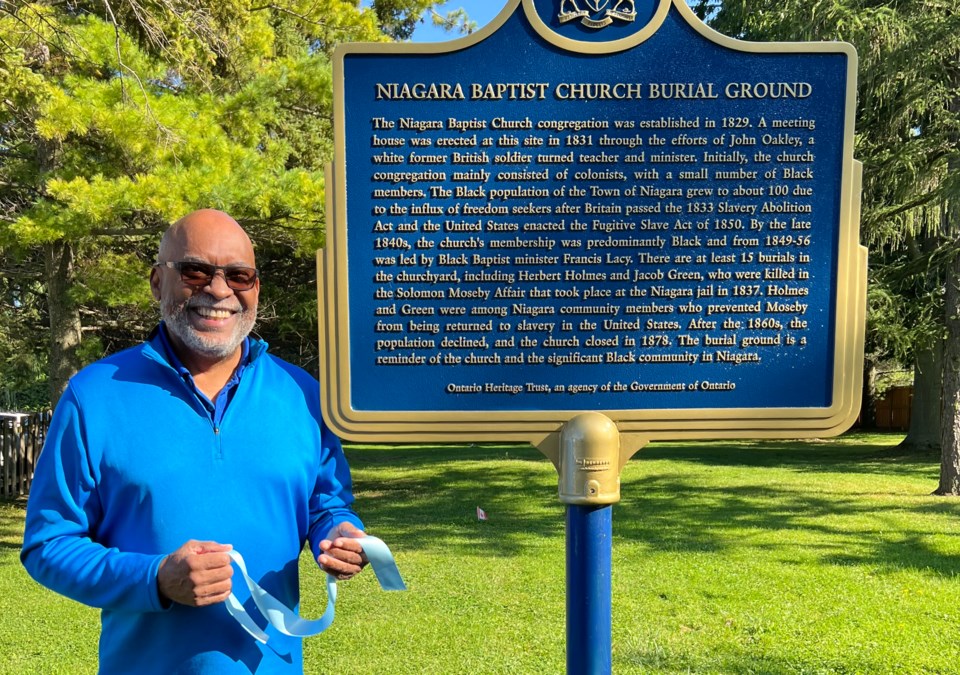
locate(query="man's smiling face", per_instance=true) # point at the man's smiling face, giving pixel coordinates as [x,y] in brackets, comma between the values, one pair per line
[209,321]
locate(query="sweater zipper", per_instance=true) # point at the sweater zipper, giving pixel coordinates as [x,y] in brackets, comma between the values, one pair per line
[218,441]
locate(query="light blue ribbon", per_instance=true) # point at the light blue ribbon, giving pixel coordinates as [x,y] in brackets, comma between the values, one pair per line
[289,622]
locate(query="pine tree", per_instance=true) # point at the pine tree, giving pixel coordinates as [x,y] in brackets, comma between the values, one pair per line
[119,116]
[908,138]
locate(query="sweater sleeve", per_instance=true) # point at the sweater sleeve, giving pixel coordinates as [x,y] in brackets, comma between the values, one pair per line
[330,503]
[60,547]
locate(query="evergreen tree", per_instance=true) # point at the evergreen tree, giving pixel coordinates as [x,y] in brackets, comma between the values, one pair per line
[119,116]
[908,138]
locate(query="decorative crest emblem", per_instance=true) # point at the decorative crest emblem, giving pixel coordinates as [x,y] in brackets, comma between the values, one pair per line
[595,16]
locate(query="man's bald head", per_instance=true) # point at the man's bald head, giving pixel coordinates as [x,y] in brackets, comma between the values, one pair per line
[210,222]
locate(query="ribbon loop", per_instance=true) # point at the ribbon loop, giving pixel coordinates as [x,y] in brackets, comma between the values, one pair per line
[289,622]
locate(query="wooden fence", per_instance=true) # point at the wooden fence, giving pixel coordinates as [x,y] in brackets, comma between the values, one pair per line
[894,408]
[21,439]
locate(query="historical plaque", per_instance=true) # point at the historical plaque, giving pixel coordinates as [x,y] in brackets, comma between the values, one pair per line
[599,207]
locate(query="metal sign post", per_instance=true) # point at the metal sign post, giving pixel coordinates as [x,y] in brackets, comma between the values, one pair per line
[589,599]
[589,485]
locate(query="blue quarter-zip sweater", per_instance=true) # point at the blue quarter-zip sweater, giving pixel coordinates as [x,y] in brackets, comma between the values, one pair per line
[136,463]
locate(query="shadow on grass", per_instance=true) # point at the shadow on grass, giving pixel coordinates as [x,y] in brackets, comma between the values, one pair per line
[674,515]
[429,494]
[656,657]
[426,498]
[844,455]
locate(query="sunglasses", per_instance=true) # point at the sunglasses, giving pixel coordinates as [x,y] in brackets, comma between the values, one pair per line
[200,274]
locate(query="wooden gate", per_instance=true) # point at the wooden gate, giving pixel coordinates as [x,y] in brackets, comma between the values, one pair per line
[21,439]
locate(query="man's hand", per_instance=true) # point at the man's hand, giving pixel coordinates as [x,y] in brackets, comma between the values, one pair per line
[196,574]
[342,554]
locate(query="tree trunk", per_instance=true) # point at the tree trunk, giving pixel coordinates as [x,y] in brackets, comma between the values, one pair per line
[868,399]
[65,327]
[950,420]
[924,432]
[950,407]
[950,424]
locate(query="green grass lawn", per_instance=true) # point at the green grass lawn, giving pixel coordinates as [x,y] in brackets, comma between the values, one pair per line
[728,557]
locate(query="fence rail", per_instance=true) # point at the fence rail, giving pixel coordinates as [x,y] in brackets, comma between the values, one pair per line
[21,439]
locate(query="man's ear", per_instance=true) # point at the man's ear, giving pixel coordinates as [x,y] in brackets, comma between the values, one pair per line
[155,283]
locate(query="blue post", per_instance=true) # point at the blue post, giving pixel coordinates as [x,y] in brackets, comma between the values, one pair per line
[589,615]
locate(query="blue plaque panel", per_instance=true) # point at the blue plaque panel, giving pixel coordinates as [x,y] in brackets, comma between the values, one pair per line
[593,207]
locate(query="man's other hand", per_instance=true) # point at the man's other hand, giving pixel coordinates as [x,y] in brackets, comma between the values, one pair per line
[342,556]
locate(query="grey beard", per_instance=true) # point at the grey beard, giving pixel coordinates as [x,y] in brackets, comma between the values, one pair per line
[175,318]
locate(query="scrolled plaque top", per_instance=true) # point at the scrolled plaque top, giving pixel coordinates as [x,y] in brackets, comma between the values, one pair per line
[592,206]
[596,26]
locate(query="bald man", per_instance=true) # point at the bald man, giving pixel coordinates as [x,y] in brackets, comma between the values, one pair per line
[163,457]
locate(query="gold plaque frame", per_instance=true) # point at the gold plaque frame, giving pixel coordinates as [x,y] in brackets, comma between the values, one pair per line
[636,426]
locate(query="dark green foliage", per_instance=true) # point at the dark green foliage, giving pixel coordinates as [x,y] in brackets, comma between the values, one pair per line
[117,118]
